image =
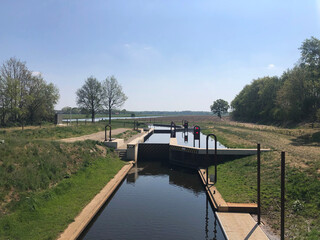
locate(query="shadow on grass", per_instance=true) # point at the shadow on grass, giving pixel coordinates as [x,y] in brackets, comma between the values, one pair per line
[307,140]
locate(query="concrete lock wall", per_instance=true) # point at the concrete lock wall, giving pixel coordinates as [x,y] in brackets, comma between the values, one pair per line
[132,147]
[153,151]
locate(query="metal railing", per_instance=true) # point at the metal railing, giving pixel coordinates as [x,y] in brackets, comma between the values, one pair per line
[105,132]
[215,158]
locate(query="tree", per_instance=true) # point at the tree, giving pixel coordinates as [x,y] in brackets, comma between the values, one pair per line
[219,107]
[41,100]
[113,96]
[89,96]
[310,61]
[292,96]
[24,97]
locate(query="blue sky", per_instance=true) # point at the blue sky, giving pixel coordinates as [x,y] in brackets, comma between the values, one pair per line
[167,55]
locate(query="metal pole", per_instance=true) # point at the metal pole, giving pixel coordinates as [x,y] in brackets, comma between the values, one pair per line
[282,193]
[215,159]
[215,155]
[105,133]
[110,133]
[258,184]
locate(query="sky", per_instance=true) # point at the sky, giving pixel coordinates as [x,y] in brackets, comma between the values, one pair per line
[168,55]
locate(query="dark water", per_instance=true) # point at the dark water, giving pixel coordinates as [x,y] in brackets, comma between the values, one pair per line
[157,202]
[165,138]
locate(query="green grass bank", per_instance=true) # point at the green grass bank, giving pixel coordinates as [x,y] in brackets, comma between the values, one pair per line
[237,179]
[44,184]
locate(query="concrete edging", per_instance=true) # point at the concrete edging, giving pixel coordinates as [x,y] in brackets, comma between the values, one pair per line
[235,225]
[75,228]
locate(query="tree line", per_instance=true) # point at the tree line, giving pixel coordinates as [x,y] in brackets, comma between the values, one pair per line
[293,97]
[25,97]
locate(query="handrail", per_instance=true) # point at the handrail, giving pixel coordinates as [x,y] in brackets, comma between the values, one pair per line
[105,132]
[215,157]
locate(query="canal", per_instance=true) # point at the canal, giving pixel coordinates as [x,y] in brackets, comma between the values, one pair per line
[183,138]
[157,201]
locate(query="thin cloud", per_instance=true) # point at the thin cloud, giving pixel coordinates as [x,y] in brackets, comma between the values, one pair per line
[271,66]
[36,74]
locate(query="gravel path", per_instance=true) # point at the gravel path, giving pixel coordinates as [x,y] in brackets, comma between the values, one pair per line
[99,136]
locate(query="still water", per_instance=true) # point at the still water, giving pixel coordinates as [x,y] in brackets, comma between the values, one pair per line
[157,201]
[183,138]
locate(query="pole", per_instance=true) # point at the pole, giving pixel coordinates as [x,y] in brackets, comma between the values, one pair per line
[258,183]
[105,133]
[110,133]
[215,159]
[282,193]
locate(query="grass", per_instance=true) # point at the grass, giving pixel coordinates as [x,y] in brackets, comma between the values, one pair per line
[127,134]
[45,183]
[45,214]
[237,178]
[58,132]
[105,116]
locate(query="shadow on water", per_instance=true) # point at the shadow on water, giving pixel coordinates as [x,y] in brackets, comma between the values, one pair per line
[157,201]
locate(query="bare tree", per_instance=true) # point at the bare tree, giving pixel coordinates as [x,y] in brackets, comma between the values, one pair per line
[89,96]
[113,97]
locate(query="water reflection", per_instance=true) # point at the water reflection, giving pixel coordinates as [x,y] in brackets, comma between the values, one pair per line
[183,138]
[157,201]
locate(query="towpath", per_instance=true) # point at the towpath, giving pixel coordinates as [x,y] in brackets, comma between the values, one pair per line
[99,136]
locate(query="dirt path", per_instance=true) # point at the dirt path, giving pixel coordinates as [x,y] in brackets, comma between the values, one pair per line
[99,136]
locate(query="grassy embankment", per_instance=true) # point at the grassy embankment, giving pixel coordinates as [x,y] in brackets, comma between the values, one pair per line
[44,184]
[237,178]
[52,132]
[104,116]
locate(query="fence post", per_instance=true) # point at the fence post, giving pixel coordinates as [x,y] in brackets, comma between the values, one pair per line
[258,183]
[283,160]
